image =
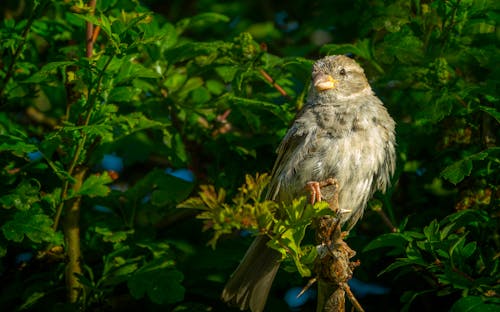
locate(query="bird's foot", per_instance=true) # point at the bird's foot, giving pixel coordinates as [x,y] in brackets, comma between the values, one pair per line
[315,188]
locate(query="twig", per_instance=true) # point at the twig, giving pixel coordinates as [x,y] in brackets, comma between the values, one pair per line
[386,219]
[273,83]
[90,31]
[39,117]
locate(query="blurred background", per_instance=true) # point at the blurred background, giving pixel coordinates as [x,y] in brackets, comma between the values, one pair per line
[193,98]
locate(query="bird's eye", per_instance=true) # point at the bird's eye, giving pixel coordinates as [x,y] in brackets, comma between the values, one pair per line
[342,72]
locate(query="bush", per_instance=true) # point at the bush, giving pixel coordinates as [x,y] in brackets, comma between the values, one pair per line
[100,143]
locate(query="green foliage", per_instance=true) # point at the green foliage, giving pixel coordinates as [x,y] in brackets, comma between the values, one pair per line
[175,89]
[285,224]
[447,252]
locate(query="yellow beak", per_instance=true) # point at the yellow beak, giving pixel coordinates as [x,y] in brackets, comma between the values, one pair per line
[323,82]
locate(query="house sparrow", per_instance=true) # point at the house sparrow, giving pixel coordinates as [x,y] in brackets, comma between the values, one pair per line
[343,132]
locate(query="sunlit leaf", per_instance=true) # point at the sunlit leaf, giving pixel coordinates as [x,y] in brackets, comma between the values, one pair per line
[457,171]
[95,186]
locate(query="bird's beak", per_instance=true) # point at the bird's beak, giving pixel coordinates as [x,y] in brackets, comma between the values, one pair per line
[323,82]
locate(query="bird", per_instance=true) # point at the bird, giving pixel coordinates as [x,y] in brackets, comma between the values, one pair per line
[343,132]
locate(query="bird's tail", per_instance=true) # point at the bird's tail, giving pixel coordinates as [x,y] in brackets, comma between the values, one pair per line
[250,283]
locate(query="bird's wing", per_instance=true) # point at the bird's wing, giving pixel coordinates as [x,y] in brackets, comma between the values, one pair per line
[286,151]
[292,150]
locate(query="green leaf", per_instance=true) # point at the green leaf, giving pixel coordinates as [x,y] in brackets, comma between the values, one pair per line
[95,186]
[492,112]
[202,20]
[23,196]
[360,48]
[457,171]
[403,45]
[113,236]
[398,264]
[431,230]
[472,304]
[227,73]
[468,250]
[175,81]
[398,241]
[465,218]
[215,87]
[170,190]
[36,226]
[123,94]
[160,283]
[190,50]
[19,146]
[46,73]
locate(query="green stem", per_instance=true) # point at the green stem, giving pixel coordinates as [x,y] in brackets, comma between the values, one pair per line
[91,100]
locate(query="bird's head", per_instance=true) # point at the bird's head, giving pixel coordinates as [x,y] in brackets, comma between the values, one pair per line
[338,77]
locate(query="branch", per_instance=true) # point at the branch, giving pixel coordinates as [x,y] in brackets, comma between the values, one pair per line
[333,266]
[71,224]
[273,83]
[72,239]
[90,32]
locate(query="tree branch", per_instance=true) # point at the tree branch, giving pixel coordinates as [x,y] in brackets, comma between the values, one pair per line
[333,266]
[71,230]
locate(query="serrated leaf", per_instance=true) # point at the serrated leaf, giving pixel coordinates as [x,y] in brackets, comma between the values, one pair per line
[113,236]
[137,122]
[37,227]
[457,171]
[23,196]
[95,186]
[17,145]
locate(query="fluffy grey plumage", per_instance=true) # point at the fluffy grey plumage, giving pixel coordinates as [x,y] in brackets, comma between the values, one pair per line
[343,132]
